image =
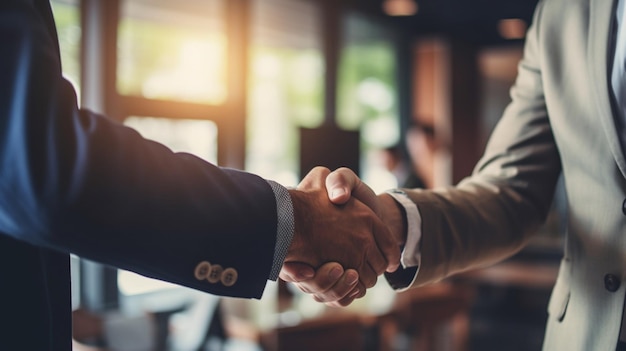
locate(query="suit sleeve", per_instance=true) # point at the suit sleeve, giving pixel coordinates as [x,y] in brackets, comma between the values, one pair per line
[491,214]
[78,182]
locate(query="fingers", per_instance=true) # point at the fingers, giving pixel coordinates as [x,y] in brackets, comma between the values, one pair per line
[296,272]
[388,246]
[395,223]
[342,184]
[375,265]
[332,284]
[315,179]
[351,234]
[357,293]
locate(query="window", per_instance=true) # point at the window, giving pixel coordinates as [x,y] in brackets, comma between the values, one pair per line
[175,71]
[367,95]
[285,85]
[172,50]
[176,53]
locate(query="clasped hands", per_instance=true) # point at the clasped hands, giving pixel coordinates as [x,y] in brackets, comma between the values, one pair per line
[345,236]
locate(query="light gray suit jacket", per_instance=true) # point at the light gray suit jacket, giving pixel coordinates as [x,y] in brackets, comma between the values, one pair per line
[561,119]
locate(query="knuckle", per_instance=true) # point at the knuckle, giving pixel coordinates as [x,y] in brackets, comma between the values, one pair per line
[369,282]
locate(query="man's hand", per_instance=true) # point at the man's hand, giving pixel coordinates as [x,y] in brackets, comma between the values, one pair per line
[350,234]
[329,284]
[342,185]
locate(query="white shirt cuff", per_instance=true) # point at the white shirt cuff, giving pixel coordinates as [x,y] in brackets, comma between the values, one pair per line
[411,253]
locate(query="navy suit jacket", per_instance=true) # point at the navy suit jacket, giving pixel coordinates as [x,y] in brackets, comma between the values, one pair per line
[72,181]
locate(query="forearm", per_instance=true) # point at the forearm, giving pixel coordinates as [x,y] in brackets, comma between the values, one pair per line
[469,227]
[78,182]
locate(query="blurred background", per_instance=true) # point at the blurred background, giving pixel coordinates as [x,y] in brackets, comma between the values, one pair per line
[404,92]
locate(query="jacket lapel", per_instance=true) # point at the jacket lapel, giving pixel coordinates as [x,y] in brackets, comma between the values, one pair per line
[599,56]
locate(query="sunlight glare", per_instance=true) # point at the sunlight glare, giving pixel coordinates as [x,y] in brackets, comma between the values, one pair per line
[199,74]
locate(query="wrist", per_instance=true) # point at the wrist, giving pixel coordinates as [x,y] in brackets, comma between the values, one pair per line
[393,215]
[300,215]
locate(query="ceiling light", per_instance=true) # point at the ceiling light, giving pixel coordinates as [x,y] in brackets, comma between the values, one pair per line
[512,28]
[400,7]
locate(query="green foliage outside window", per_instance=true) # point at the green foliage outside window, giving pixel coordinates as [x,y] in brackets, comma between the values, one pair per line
[367,98]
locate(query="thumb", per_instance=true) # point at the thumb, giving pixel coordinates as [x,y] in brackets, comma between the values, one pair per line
[343,183]
[314,179]
[339,185]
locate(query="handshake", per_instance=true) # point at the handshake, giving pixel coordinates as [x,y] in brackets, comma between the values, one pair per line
[345,236]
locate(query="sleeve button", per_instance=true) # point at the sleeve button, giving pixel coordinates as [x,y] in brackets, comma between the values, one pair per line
[215,274]
[229,277]
[202,270]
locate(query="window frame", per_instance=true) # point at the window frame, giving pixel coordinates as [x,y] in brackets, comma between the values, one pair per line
[100,35]
[99,21]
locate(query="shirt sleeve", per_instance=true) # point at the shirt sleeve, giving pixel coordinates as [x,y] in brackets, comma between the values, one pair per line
[411,252]
[284,229]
